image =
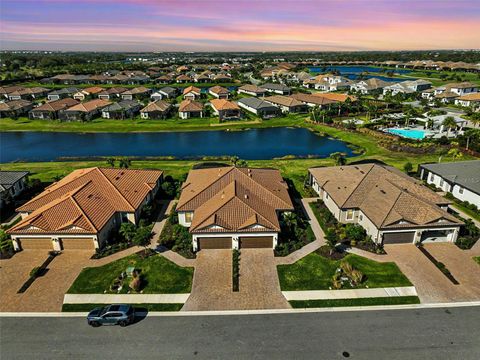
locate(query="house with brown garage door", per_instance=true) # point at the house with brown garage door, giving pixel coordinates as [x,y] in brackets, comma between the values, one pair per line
[391,206]
[231,208]
[84,208]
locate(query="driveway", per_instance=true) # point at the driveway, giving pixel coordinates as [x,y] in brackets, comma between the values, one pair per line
[46,292]
[212,282]
[432,286]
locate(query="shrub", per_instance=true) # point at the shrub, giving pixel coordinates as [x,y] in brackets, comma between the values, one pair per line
[136,283]
[35,272]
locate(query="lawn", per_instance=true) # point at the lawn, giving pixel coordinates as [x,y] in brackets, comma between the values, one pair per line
[138,307]
[315,272]
[160,276]
[470,212]
[477,259]
[398,300]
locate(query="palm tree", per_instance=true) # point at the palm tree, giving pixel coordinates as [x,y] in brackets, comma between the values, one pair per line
[338,158]
[455,153]
[111,162]
[234,159]
[449,123]
[124,163]
[128,231]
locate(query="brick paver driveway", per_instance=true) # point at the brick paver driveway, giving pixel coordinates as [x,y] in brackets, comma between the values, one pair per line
[432,286]
[212,282]
[46,292]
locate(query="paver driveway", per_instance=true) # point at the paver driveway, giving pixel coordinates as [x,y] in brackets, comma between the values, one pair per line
[212,282]
[46,292]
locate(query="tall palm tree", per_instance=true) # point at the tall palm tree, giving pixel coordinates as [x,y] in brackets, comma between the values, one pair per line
[449,123]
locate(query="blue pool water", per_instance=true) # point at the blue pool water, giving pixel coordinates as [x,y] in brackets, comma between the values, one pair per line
[408,133]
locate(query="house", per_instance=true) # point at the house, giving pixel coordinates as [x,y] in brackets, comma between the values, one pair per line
[259,107]
[471,100]
[15,108]
[125,109]
[328,82]
[182,79]
[28,93]
[447,97]
[191,93]
[83,209]
[461,89]
[164,79]
[138,79]
[392,207]
[135,93]
[313,100]
[202,78]
[159,109]
[168,92]
[87,93]
[287,104]
[219,92]
[61,93]
[337,97]
[222,78]
[12,184]
[111,93]
[118,79]
[51,109]
[428,94]
[461,179]
[189,109]
[232,208]
[253,90]
[370,86]
[277,88]
[84,111]
[407,87]
[6,90]
[225,109]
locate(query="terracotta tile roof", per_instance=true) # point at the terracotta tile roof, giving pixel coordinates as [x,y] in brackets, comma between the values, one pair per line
[284,100]
[234,199]
[91,105]
[193,89]
[14,105]
[190,105]
[222,104]
[218,90]
[93,90]
[183,78]
[57,105]
[137,90]
[311,99]
[470,97]
[113,91]
[158,105]
[252,88]
[336,97]
[85,200]
[9,89]
[385,195]
[462,85]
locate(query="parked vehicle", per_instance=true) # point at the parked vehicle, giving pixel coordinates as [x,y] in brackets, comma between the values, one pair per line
[122,315]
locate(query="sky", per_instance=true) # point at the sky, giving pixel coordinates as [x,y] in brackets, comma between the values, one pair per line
[239,25]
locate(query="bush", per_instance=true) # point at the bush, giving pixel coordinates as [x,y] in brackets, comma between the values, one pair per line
[466,243]
[35,272]
[136,283]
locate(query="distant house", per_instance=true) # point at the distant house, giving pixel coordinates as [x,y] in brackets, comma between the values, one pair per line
[124,109]
[191,93]
[219,92]
[189,109]
[84,111]
[225,109]
[51,109]
[135,93]
[277,88]
[259,107]
[470,100]
[287,104]
[312,100]
[461,179]
[461,89]
[87,93]
[328,82]
[12,184]
[253,90]
[61,93]
[447,97]
[28,93]
[164,79]
[407,87]
[222,78]
[15,108]
[168,92]
[6,90]
[372,85]
[118,79]
[202,78]
[112,93]
[159,109]
[138,79]
[182,79]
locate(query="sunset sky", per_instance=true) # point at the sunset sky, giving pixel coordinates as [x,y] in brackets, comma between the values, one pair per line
[260,25]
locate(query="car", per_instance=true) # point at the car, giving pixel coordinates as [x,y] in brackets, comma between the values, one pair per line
[122,315]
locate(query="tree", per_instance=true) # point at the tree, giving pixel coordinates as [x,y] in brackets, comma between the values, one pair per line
[111,161]
[124,163]
[5,242]
[449,123]
[331,239]
[143,236]
[128,230]
[242,163]
[338,158]
[234,160]
[455,154]
[408,167]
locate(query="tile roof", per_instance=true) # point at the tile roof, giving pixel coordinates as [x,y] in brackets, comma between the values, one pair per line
[272,86]
[8,178]
[470,97]
[91,105]
[85,200]
[284,100]
[113,91]
[14,105]
[219,90]
[234,199]
[252,88]
[222,104]
[256,103]
[57,105]
[464,173]
[311,99]
[385,195]
[190,105]
[193,89]
[158,105]
[336,96]
[122,105]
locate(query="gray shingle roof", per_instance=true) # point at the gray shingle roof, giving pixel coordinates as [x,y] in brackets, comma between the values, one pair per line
[8,178]
[464,173]
[256,103]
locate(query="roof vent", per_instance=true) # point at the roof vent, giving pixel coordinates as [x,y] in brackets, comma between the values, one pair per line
[246,196]
[383,191]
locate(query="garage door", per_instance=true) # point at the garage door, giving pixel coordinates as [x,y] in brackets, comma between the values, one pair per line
[256,242]
[36,243]
[77,244]
[435,236]
[399,237]
[215,243]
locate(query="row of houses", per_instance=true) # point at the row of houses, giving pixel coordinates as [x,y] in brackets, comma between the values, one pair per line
[463,94]
[229,207]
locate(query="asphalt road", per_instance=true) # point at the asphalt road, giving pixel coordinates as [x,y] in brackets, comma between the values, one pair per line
[452,333]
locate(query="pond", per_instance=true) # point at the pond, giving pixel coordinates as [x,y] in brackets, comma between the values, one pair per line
[250,144]
[353,72]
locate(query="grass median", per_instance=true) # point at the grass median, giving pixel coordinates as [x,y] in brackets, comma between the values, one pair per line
[399,300]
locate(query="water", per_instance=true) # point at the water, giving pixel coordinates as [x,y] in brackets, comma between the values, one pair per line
[353,72]
[408,133]
[250,144]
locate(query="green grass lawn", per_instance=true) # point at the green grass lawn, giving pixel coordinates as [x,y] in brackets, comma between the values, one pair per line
[472,213]
[160,275]
[149,307]
[400,300]
[315,272]
[477,259]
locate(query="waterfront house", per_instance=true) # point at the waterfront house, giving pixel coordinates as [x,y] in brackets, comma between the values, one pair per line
[15,108]
[191,93]
[125,109]
[253,90]
[287,104]
[159,109]
[219,92]
[84,111]
[51,109]
[259,107]
[189,109]
[225,109]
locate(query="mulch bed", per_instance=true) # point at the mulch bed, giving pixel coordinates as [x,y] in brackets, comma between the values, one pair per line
[326,252]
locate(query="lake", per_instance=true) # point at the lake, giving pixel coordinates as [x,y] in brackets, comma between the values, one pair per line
[353,72]
[250,144]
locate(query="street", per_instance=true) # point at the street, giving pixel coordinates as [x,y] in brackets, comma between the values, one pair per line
[440,333]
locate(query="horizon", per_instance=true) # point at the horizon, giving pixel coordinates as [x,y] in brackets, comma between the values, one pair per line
[240,26]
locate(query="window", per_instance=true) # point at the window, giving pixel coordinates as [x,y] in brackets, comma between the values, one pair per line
[432,177]
[188,217]
[460,190]
[360,217]
[349,214]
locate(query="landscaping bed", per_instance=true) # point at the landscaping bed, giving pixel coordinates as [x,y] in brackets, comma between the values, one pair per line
[176,237]
[315,272]
[157,276]
[138,307]
[393,300]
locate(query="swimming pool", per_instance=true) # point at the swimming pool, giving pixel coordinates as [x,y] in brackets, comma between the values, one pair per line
[408,133]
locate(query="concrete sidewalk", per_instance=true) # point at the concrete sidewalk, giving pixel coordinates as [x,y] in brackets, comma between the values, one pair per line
[350,293]
[125,298]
